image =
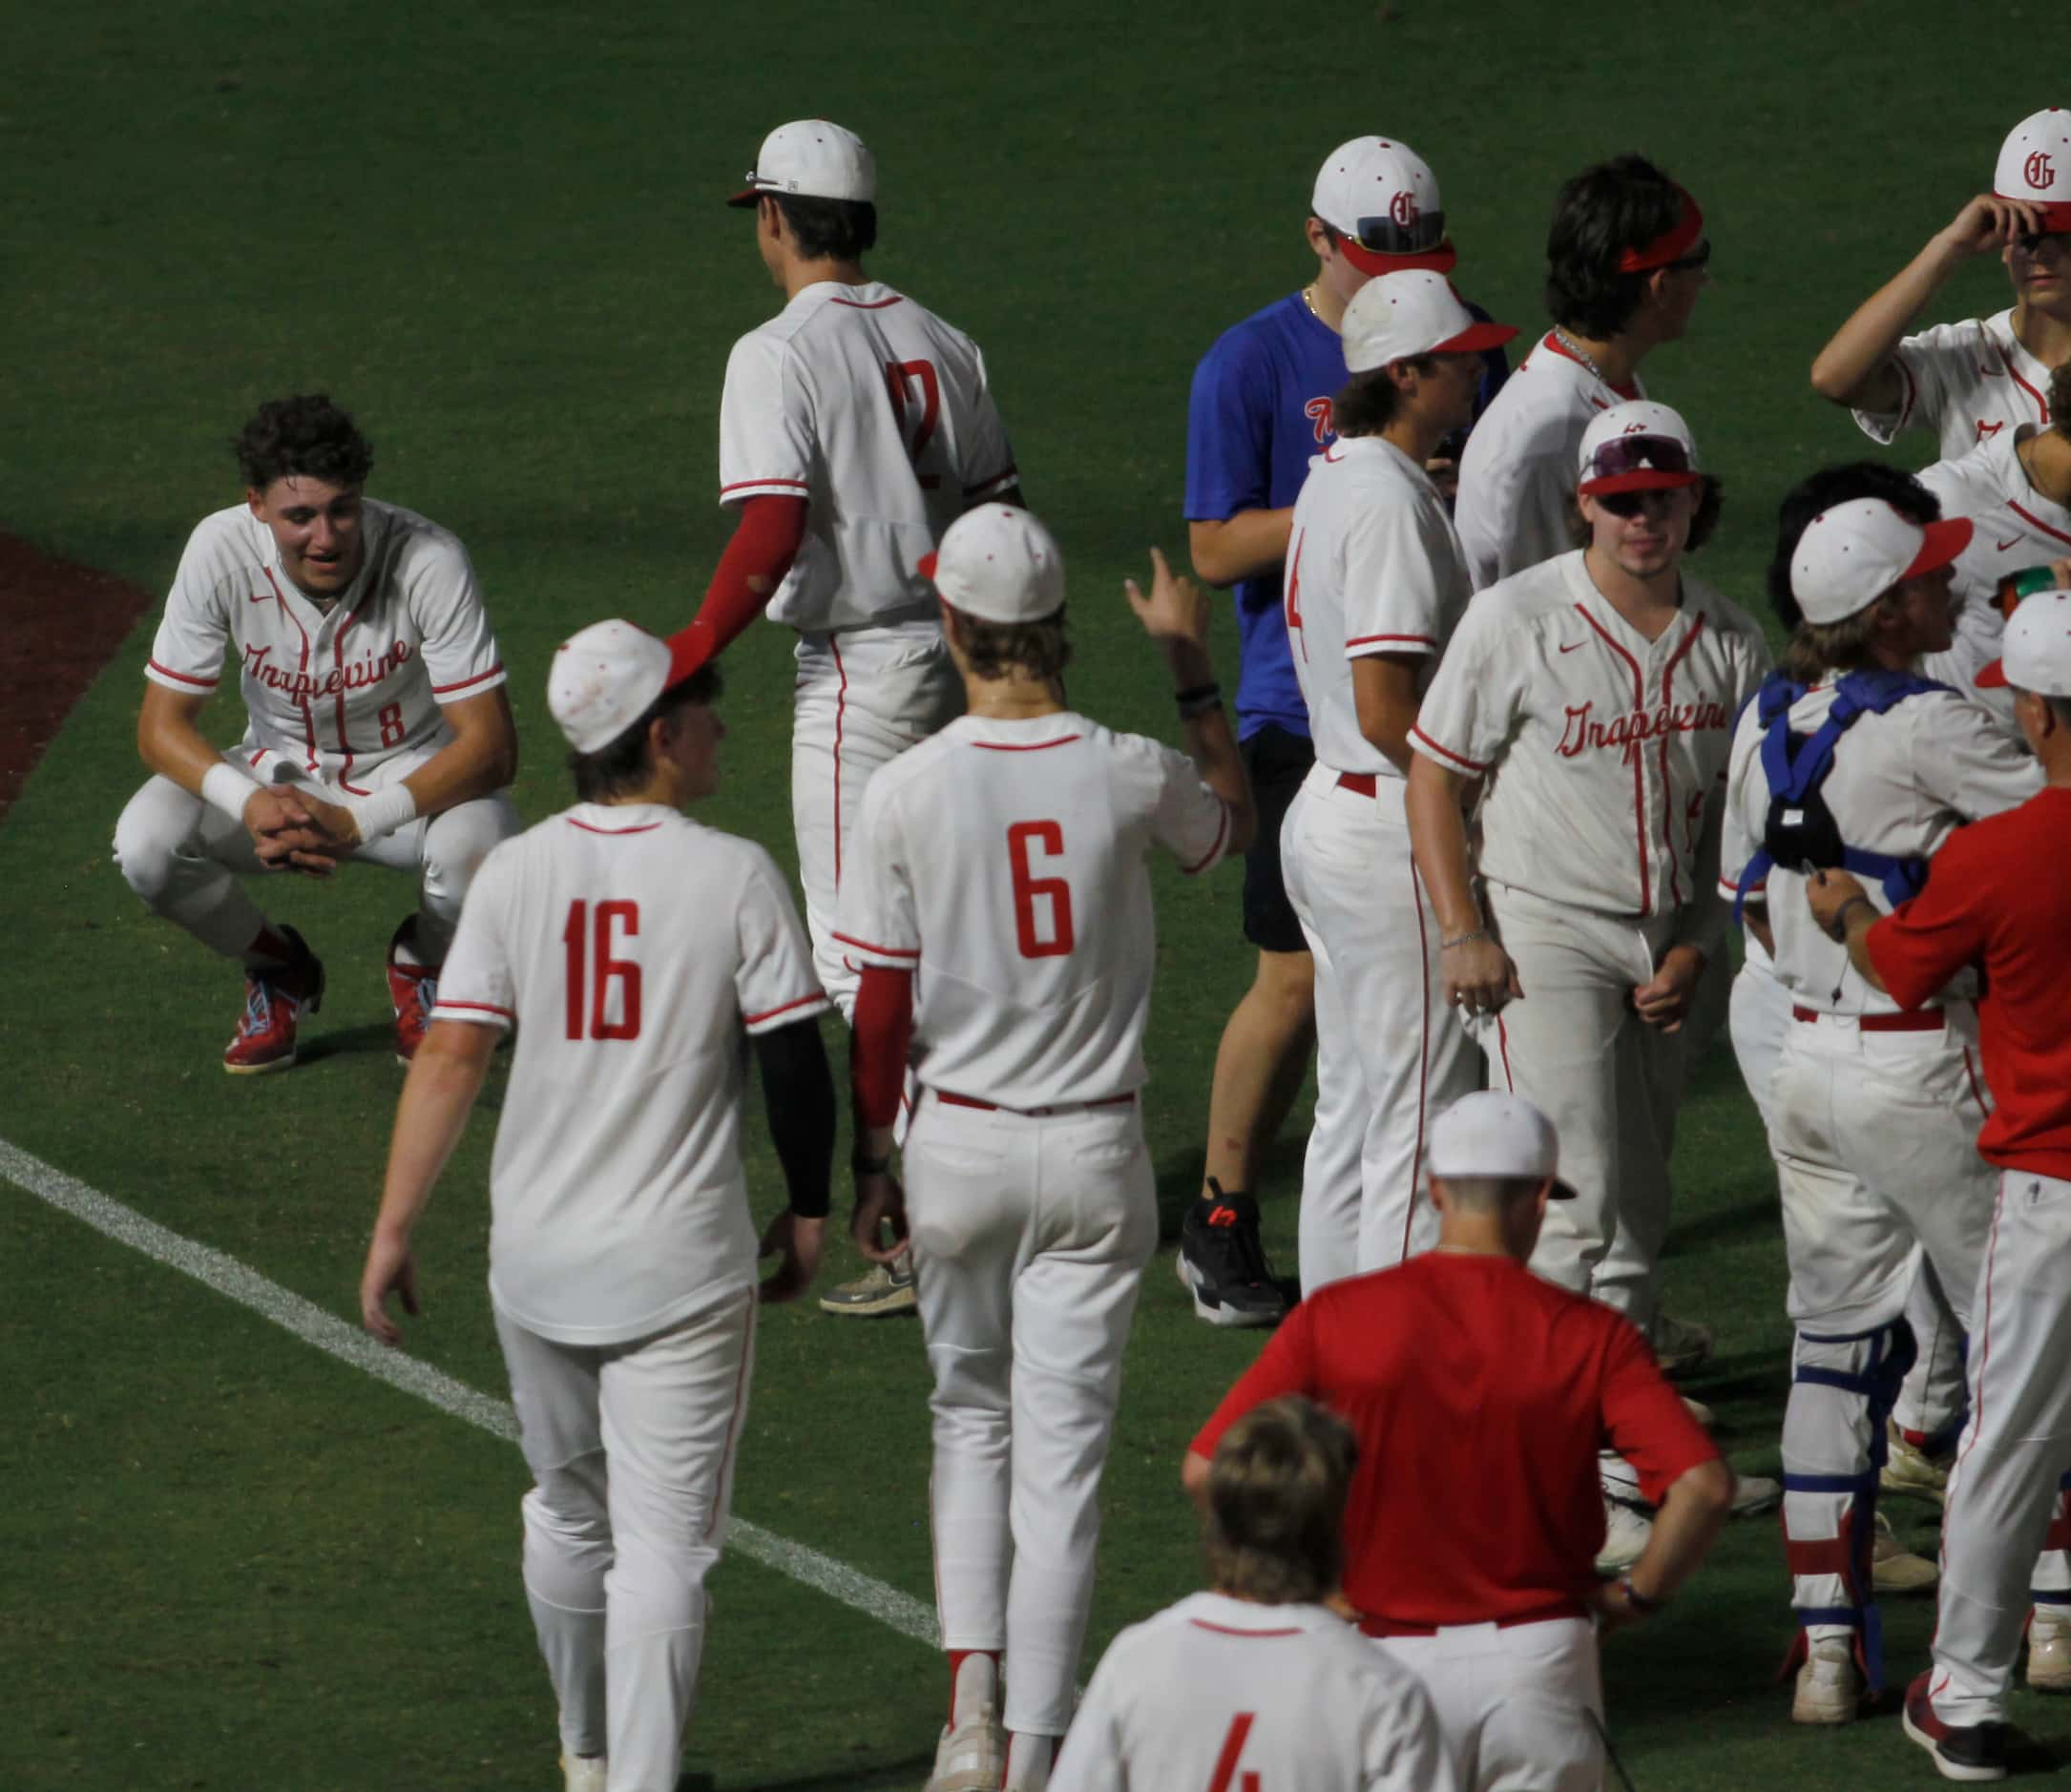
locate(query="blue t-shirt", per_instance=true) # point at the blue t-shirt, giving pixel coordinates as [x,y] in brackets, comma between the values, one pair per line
[1259,413]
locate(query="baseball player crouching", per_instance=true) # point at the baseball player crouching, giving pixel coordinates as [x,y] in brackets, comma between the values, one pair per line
[1261,1676]
[1849,758]
[377,728]
[998,899]
[1593,697]
[1375,586]
[636,953]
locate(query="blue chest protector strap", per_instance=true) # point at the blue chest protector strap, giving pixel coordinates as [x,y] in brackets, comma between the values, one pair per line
[1801,833]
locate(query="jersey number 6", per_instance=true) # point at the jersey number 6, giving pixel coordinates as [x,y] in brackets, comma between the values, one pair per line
[922,374]
[1028,887]
[610,1013]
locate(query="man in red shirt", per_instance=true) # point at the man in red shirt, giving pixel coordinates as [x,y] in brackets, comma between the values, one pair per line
[1481,1396]
[1998,898]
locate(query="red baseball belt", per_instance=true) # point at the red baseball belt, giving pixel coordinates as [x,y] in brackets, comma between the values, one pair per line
[1916,1020]
[1359,784]
[1539,1614]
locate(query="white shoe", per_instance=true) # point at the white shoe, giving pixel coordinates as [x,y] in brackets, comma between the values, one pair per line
[2049,1649]
[1895,1569]
[972,1756]
[582,1773]
[1830,1684]
[1680,1344]
[1910,1470]
[1754,1493]
[1626,1530]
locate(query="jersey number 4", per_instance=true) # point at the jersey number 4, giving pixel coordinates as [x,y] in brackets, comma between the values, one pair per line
[1226,1779]
[611,985]
[918,411]
[1054,940]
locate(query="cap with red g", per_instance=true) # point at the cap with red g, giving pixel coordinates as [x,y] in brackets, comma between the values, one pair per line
[1382,199]
[2035,165]
[1396,316]
[1851,556]
[811,159]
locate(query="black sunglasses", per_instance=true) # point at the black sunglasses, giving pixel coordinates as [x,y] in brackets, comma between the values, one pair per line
[1384,236]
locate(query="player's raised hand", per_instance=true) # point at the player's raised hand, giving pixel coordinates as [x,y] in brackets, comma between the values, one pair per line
[1176,610]
[390,1269]
[799,1242]
[1988,222]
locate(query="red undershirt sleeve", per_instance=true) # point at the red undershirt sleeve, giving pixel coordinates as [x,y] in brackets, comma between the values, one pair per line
[765,543]
[882,1035]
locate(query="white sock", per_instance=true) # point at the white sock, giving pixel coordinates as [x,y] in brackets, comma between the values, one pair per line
[1029,1759]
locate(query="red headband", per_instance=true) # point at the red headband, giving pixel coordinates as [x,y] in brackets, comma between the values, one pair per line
[1671,245]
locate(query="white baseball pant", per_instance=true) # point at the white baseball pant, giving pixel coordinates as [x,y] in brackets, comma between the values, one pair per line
[1520,1705]
[1872,1132]
[1575,1049]
[631,1447]
[1030,1236]
[1345,852]
[2015,1451]
[861,698]
[184,858]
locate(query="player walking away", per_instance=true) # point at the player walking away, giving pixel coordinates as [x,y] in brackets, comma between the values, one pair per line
[1998,903]
[1626,260]
[1260,409]
[376,724]
[1849,757]
[1376,585]
[1968,381]
[636,953]
[1261,1675]
[1472,1559]
[1593,697]
[998,902]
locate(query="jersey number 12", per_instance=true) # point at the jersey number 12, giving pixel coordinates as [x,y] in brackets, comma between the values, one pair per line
[612,984]
[1038,940]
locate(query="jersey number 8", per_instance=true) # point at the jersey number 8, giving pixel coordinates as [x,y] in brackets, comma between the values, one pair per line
[1057,940]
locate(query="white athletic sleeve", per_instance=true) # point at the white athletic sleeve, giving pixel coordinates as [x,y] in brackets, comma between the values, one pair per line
[1091,1757]
[1405,1750]
[1392,602]
[187,652]
[773,977]
[477,982]
[1962,758]
[875,919]
[459,650]
[1922,393]
[988,466]
[765,423]
[1475,700]
[1188,819]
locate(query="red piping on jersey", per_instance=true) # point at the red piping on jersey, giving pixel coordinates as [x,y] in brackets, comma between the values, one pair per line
[1029,746]
[733,1420]
[1984,1327]
[479,1008]
[782,1008]
[864,945]
[1446,752]
[841,712]
[1368,640]
[199,684]
[1214,852]
[308,712]
[1639,766]
[1628,391]
[2006,360]
[743,485]
[257,757]
[589,828]
[870,304]
[998,479]
[1423,1055]
[345,746]
[1227,1630]
[442,690]
[1503,1050]
[2036,522]
[1669,830]
[1970,1069]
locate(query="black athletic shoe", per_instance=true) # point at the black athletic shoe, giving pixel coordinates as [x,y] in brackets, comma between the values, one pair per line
[1974,1754]
[1222,1264]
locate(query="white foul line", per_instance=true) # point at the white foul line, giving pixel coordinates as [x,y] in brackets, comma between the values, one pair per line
[331,1335]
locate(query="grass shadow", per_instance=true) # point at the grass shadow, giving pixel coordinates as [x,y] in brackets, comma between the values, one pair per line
[905,1774]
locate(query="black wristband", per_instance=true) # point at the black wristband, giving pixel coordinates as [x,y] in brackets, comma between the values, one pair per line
[861,1165]
[1637,1600]
[1199,700]
[1840,916]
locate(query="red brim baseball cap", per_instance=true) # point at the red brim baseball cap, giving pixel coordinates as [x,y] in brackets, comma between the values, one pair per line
[1945,541]
[1476,338]
[1442,259]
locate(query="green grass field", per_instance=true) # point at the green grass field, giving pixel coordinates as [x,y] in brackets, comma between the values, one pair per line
[494,233]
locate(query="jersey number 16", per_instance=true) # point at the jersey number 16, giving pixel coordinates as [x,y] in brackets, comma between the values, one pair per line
[612,984]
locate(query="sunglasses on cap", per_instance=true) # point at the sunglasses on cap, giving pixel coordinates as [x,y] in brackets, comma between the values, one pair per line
[1384,236]
[1698,257]
[1631,463]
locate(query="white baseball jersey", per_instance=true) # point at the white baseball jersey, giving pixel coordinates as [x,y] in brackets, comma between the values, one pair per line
[2015,527]
[333,696]
[1373,567]
[1003,862]
[1518,472]
[634,952]
[1901,783]
[1966,382]
[877,413]
[1216,1693]
[1605,752]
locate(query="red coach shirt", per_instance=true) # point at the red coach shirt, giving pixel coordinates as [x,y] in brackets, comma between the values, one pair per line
[1481,1396]
[1998,896]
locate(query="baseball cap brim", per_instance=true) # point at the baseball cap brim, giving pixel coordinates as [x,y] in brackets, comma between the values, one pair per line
[1440,260]
[1640,479]
[1992,676]
[1475,338]
[1945,540]
[1560,1191]
[928,567]
[747,196]
[2055,215]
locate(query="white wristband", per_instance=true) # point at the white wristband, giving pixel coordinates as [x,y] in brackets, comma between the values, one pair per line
[226,788]
[385,811]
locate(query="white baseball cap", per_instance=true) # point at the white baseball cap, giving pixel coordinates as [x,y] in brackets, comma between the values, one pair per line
[999,564]
[604,679]
[1851,556]
[1637,446]
[813,159]
[1394,316]
[1494,1133]
[1382,198]
[2036,655]
[2035,165]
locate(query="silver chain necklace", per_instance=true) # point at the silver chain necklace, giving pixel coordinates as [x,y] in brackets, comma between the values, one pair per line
[1579,353]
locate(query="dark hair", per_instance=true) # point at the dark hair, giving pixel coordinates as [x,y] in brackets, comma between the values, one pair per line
[1822,491]
[2060,708]
[2059,399]
[1625,203]
[1039,648]
[303,436]
[1369,401]
[824,229]
[1711,501]
[623,762]
[1273,1524]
